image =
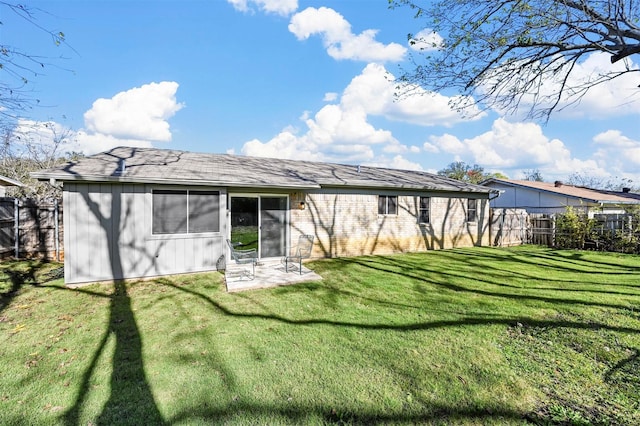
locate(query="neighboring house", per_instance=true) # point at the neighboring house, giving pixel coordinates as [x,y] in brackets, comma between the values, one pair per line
[141,212]
[5,182]
[545,197]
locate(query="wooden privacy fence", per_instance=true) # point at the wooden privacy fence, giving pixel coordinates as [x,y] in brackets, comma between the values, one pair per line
[30,229]
[511,227]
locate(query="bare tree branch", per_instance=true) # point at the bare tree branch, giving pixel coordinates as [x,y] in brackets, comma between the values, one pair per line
[18,68]
[514,53]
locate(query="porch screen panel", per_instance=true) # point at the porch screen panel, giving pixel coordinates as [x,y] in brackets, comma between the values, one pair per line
[204,211]
[169,212]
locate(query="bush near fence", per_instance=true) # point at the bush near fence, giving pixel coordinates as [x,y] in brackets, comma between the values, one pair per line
[570,230]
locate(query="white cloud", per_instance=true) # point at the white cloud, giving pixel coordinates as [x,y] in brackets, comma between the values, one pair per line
[54,138]
[136,117]
[91,143]
[396,148]
[615,139]
[615,97]
[375,89]
[338,39]
[397,162]
[426,40]
[514,146]
[140,113]
[43,136]
[330,97]
[342,131]
[429,147]
[279,7]
[619,154]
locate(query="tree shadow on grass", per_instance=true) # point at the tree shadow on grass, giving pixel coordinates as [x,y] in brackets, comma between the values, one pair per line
[449,279]
[16,279]
[326,414]
[301,413]
[21,273]
[130,398]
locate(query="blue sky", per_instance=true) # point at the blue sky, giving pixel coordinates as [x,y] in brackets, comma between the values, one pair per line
[309,80]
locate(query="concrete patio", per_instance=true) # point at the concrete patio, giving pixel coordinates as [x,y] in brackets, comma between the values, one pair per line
[269,273]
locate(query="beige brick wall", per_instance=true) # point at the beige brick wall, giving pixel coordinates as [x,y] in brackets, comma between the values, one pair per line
[348,224]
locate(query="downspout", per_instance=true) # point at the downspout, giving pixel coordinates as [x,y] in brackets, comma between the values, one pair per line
[497,192]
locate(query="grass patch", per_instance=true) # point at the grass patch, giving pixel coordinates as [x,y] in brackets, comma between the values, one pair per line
[470,336]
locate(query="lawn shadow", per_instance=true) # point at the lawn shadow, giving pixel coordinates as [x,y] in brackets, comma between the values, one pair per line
[417,271]
[301,413]
[17,279]
[127,403]
[130,398]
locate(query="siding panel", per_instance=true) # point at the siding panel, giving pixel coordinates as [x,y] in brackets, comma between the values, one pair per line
[124,213]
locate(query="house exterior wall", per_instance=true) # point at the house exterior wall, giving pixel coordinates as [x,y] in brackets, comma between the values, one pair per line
[535,201]
[109,236]
[347,223]
[109,229]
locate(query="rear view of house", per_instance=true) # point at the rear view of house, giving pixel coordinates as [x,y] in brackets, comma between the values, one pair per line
[142,212]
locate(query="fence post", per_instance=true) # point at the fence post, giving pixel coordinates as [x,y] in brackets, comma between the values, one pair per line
[57,229]
[16,227]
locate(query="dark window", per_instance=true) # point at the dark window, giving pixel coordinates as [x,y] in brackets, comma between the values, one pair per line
[425,207]
[387,204]
[204,211]
[472,210]
[182,212]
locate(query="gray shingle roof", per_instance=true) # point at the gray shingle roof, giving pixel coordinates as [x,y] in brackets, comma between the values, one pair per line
[151,165]
[578,192]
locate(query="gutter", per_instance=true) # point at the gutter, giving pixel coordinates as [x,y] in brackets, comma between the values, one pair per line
[165,181]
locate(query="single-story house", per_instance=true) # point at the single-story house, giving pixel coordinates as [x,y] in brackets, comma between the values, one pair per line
[141,212]
[555,197]
[5,182]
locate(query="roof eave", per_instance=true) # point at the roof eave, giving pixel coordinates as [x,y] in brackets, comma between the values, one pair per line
[164,181]
[405,187]
[7,181]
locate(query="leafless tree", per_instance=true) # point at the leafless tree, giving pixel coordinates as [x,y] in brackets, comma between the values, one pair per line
[17,67]
[516,55]
[596,182]
[32,147]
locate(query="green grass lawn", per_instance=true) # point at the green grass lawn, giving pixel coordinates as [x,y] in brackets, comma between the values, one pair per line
[468,336]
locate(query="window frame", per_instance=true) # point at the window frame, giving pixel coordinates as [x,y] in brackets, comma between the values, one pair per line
[188,213]
[472,212]
[422,209]
[385,208]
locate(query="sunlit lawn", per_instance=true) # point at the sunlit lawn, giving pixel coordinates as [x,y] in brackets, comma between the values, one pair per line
[472,336]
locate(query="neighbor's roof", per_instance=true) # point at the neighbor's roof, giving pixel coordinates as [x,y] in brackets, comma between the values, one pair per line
[6,181]
[580,192]
[150,165]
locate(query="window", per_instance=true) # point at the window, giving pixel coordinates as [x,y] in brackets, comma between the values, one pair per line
[185,212]
[472,210]
[387,204]
[424,210]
